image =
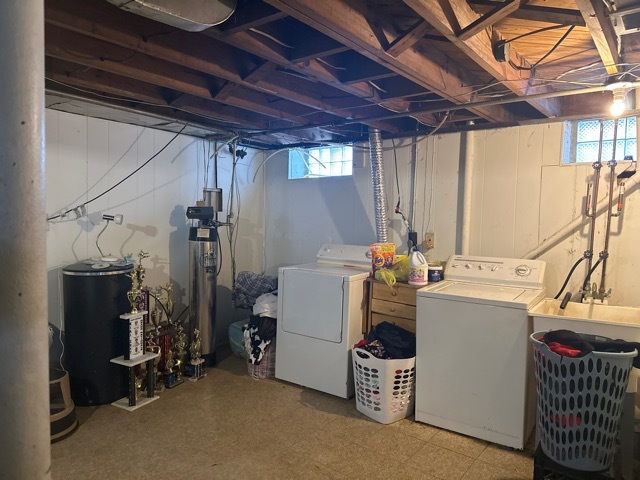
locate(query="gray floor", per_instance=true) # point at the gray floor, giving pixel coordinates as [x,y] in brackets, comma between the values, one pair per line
[231,426]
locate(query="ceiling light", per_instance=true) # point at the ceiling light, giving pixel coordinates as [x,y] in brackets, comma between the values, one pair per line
[619,103]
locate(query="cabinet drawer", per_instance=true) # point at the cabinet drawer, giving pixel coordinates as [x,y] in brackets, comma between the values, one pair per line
[394,309]
[399,293]
[405,323]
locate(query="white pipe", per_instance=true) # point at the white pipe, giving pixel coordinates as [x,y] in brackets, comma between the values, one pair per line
[469,165]
[24,373]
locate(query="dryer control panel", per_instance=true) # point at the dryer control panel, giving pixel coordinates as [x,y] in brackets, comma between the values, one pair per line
[496,271]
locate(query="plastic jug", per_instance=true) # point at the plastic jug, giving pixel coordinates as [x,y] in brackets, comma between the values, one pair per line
[418,269]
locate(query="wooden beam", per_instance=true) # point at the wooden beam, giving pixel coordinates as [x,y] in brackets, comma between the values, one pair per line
[536,13]
[345,22]
[478,48]
[194,51]
[117,60]
[99,81]
[602,32]
[490,18]
[318,47]
[409,38]
[251,15]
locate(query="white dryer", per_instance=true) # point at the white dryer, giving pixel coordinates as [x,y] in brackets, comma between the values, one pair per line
[473,356]
[321,306]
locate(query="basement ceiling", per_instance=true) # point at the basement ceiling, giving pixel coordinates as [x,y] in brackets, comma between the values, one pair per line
[292,72]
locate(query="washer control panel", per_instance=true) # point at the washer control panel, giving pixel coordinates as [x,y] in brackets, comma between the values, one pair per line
[496,270]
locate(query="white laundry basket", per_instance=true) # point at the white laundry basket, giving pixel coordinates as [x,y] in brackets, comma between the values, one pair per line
[385,389]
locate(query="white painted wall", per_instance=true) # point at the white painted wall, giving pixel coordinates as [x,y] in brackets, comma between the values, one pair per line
[88,154]
[303,214]
[523,193]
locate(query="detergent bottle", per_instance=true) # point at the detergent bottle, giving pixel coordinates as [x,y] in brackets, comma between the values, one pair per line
[418,268]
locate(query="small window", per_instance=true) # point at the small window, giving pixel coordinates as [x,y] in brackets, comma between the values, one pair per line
[320,162]
[583,140]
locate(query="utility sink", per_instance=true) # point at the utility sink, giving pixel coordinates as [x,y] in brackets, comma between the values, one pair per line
[594,318]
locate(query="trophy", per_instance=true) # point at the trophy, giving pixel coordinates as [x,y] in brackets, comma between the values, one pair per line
[170,376]
[179,349]
[134,328]
[196,365]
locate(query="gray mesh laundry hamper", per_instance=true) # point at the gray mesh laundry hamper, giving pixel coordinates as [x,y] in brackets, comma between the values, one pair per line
[579,404]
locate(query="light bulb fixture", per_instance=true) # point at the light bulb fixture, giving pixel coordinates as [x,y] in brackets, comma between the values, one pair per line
[619,103]
[619,91]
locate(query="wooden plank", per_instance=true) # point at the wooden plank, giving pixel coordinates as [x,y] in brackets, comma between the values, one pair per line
[536,13]
[409,38]
[604,36]
[344,21]
[317,47]
[490,18]
[478,48]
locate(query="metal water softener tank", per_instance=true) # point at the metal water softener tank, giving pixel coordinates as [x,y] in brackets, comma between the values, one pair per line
[203,266]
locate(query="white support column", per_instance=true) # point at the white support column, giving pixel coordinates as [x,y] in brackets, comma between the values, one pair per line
[24,377]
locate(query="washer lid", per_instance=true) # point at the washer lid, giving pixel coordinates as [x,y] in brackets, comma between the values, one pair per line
[481,293]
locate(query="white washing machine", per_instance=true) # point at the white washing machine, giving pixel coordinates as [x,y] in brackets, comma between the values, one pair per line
[473,356]
[321,306]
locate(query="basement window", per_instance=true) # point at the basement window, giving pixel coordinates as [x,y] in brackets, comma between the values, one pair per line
[320,162]
[582,140]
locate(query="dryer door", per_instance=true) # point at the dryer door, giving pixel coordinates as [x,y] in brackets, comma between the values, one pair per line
[312,304]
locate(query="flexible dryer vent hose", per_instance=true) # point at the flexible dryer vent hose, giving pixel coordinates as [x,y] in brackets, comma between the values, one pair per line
[377,179]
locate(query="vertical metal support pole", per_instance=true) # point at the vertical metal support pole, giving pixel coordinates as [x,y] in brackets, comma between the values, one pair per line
[24,376]
[132,387]
[151,379]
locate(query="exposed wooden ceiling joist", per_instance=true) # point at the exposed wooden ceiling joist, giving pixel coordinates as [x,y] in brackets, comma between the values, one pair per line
[536,13]
[193,51]
[409,38]
[341,20]
[479,49]
[251,15]
[490,18]
[604,36]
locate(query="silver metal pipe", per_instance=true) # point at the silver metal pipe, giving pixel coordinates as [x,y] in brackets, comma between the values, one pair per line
[24,375]
[377,179]
[612,176]
[597,167]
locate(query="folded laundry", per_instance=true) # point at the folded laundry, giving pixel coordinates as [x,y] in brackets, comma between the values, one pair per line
[572,344]
[258,335]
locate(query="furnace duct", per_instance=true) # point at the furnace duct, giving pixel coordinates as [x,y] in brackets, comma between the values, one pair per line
[377,180]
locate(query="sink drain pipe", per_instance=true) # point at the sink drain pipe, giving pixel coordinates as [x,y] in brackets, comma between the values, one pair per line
[377,180]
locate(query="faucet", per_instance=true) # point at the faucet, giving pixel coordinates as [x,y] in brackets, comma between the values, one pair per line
[565,300]
[596,293]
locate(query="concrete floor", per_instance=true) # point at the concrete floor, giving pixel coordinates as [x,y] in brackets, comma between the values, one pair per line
[231,426]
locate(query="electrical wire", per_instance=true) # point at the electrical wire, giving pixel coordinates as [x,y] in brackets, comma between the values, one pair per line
[534,32]
[144,164]
[553,49]
[566,280]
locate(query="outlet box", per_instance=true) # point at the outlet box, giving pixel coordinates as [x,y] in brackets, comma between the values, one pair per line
[429,241]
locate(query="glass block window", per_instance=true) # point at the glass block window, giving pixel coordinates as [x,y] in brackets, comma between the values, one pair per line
[587,139]
[321,162]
